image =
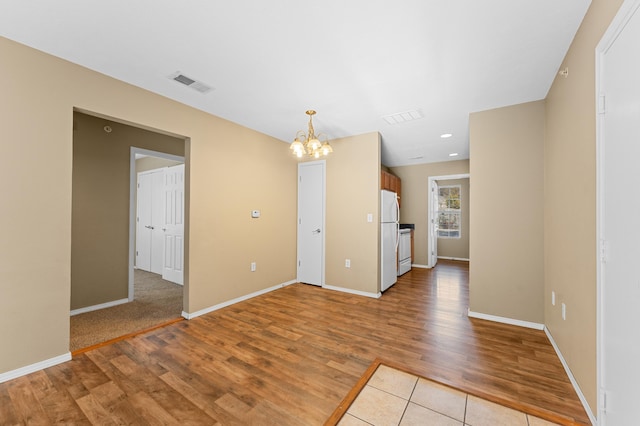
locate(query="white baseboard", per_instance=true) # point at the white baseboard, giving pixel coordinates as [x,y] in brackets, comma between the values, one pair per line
[573,380]
[97,307]
[504,320]
[28,369]
[195,314]
[350,291]
[417,265]
[462,259]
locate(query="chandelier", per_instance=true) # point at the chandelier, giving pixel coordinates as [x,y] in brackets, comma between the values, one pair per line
[310,144]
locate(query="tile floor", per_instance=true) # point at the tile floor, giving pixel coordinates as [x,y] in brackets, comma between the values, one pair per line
[393,397]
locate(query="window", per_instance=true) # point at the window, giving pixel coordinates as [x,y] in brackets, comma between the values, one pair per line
[449,211]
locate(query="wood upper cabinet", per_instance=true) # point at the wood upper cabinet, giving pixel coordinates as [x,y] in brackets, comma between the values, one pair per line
[392,183]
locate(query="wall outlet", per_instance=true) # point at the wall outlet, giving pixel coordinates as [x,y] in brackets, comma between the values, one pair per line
[564,311]
[253,266]
[553,298]
[347,263]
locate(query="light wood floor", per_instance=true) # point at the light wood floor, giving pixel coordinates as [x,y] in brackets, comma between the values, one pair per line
[290,356]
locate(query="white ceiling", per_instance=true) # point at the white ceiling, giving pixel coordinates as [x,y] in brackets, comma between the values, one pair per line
[354,61]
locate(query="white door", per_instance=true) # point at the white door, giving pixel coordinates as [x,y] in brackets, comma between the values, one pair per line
[173,224]
[433,241]
[157,215]
[311,198]
[143,222]
[149,220]
[620,228]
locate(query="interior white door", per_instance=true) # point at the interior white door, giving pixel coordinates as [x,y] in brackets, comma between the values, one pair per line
[173,225]
[311,199]
[157,216]
[143,222]
[433,241]
[149,220]
[620,228]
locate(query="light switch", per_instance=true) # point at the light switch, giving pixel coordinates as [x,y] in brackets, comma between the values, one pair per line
[370,217]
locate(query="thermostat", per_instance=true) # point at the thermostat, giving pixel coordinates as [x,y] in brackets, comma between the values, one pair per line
[255,213]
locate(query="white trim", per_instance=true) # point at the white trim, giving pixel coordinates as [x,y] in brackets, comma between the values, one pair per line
[195,314]
[453,258]
[356,292]
[572,379]
[28,369]
[133,181]
[430,181]
[98,307]
[624,14]
[504,320]
[417,265]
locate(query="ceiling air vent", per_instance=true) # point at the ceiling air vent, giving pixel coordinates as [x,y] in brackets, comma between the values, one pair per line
[403,117]
[190,82]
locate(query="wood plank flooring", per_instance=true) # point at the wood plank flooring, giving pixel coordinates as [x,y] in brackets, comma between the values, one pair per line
[290,356]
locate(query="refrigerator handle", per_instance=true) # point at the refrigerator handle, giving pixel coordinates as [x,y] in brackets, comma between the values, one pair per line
[397,222]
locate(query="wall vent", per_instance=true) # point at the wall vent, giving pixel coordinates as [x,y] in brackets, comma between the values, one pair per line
[190,82]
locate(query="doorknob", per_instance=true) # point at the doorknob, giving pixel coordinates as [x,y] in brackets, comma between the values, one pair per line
[317,231]
[148,226]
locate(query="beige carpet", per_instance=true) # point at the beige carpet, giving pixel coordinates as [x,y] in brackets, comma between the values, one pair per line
[156,301]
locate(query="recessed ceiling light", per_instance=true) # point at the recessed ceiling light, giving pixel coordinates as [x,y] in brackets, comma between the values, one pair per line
[446,135]
[453,154]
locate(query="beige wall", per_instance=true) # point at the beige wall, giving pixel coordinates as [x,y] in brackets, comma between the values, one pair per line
[230,170]
[415,184]
[457,248]
[506,275]
[100,205]
[151,163]
[570,201]
[353,191]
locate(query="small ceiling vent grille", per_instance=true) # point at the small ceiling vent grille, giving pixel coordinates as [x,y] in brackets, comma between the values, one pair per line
[190,82]
[403,117]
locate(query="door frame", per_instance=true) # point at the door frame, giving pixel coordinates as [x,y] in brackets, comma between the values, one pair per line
[619,22]
[430,235]
[323,163]
[133,179]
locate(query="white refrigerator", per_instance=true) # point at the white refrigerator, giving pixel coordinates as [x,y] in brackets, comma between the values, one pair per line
[390,227]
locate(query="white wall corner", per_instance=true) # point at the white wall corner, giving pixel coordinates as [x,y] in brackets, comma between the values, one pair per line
[28,369]
[573,380]
[504,320]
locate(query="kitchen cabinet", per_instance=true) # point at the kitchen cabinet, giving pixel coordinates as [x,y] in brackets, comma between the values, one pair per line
[391,183]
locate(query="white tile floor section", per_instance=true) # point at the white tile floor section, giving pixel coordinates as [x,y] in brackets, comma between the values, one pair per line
[393,397]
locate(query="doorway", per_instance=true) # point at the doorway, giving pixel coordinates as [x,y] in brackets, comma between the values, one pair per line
[101,264]
[456,245]
[156,216]
[618,91]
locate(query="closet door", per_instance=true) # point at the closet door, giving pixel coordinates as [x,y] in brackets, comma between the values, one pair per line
[143,222]
[149,221]
[173,225]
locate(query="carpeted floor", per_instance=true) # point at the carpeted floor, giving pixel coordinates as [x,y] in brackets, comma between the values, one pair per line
[156,301]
